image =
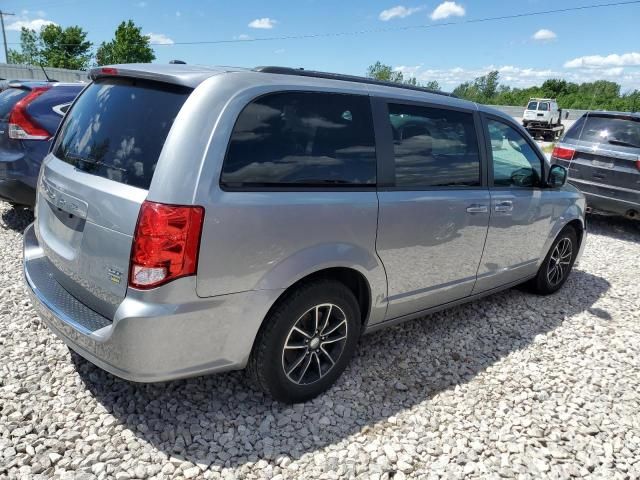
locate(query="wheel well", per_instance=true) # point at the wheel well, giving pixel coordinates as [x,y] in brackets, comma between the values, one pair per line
[350,278]
[577,226]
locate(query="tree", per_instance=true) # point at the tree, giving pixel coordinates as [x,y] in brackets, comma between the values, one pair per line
[29,53]
[53,46]
[128,46]
[487,85]
[380,71]
[68,48]
[432,85]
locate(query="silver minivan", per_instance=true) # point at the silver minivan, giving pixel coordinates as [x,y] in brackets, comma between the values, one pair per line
[193,220]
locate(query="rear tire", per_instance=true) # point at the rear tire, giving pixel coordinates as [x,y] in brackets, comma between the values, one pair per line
[306,342]
[557,265]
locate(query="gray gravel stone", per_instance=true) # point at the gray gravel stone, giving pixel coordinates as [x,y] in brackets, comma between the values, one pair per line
[513,385]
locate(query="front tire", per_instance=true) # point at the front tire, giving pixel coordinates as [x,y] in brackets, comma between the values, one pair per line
[557,265]
[307,341]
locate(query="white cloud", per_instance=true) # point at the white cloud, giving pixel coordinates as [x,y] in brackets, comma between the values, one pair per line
[608,61]
[243,36]
[263,23]
[398,12]
[544,35]
[159,39]
[446,10]
[35,24]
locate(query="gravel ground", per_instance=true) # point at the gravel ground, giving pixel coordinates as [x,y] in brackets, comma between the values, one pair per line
[510,386]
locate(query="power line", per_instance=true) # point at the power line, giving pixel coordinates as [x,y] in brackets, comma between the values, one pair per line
[413,27]
[394,29]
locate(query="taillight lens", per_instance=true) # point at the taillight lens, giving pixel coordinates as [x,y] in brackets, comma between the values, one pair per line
[563,153]
[165,244]
[21,125]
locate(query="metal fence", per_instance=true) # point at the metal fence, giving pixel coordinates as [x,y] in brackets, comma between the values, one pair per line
[30,72]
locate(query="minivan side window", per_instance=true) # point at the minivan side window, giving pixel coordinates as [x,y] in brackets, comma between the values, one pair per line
[515,163]
[302,139]
[434,147]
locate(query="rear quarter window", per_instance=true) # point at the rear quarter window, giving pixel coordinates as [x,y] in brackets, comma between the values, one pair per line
[302,139]
[117,128]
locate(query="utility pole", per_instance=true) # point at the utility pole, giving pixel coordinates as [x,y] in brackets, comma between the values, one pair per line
[4,35]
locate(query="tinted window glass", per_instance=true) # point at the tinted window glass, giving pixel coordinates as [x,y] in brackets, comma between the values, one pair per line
[434,147]
[117,129]
[302,139]
[515,163]
[543,107]
[615,130]
[8,99]
[532,106]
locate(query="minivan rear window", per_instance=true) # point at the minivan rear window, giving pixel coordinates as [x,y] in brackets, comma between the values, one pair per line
[117,128]
[8,100]
[532,106]
[618,130]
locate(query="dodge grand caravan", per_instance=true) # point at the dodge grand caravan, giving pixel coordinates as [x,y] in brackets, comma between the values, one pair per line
[193,220]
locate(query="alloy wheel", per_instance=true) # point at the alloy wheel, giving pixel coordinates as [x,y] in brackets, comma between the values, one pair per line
[314,344]
[560,262]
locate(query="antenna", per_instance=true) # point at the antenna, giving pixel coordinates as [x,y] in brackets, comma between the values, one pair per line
[45,73]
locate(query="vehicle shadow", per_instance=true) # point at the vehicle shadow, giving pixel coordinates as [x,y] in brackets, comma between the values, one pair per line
[220,420]
[614,226]
[15,218]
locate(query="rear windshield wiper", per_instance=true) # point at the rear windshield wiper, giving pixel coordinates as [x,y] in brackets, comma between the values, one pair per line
[93,163]
[622,143]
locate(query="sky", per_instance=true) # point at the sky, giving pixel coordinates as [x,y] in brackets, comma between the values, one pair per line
[579,46]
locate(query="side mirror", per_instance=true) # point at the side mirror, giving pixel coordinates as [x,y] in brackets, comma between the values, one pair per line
[557,176]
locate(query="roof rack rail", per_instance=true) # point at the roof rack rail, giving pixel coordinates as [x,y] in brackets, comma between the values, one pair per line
[301,72]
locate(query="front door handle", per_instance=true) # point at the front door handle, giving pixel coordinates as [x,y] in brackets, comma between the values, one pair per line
[475,208]
[505,206]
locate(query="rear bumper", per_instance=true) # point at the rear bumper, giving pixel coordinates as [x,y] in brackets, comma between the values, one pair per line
[150,341]
[607,198]
[15,191]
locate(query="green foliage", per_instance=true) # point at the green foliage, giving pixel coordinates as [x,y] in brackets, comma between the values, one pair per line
[432,85]
[53,46]
[128,46]
[380,71]
[598,95]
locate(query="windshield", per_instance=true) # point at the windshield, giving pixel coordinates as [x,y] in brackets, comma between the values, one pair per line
[117,128]
[615,130]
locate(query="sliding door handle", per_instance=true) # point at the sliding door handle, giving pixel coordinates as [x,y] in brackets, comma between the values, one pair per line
[505,206]
[475,208]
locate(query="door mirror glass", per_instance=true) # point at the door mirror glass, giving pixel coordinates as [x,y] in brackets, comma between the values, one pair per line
[557,176]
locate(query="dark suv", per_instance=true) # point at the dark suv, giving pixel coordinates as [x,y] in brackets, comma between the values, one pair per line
[602,153]
[30,113]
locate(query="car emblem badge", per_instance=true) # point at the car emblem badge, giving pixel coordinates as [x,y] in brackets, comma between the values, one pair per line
[114,275]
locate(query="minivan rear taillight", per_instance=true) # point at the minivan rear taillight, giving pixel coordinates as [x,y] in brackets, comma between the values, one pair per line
[563,153]
[165,244]
[21,125]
